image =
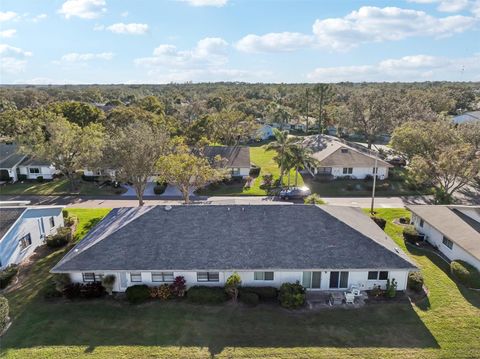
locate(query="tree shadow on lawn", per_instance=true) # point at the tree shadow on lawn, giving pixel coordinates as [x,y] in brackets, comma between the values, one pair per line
[473,297]
[110,322]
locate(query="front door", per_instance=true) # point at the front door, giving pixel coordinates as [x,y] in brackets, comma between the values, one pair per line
[312,280]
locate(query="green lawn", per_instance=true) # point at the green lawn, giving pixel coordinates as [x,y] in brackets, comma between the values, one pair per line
[55,187]
[261,158]
[446,325]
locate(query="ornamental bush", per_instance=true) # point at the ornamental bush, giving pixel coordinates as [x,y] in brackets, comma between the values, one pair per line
[206,295]
[59,239]
[86,291]
[391,290]
[108,282]
[4,310]
[264,293]
[379,221]
[415,281]
[292,295]
[466,274]
[232,284]
[313,199]
[178,286]
[162,292]
[411,235]
[249,298]
[137,294]
[6,275]
[50,291]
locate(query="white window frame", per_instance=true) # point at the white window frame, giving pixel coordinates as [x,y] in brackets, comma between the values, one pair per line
[447,242]
[34,170]
[208,277]
[135,274]
[162,276]
[260,276]
[347,170]
[90,275]
[25,241]
[52,221]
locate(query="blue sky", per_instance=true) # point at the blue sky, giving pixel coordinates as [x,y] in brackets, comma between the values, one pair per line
[120,41]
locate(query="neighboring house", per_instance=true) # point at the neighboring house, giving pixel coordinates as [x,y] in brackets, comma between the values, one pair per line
[10,161]
[265,132]
[473,116]
[339,159]
[237,158]
[454,230]
[22,229]
[99,173]
[14,165]
[322,247]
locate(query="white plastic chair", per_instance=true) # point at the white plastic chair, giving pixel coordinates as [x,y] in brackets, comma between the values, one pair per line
[349,298]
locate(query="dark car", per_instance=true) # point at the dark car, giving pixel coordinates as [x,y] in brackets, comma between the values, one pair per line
[295,193]
[397,161]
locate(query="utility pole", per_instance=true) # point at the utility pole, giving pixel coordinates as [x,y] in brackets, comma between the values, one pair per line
[306,122]
[375,173]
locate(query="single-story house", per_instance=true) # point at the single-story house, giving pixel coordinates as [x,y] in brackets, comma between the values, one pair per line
[237,158]
[454,230]
[15,165]
[22,229]
[322,247]
[337,158]
[472,116]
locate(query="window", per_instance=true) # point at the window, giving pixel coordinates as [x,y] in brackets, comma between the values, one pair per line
[382,275]
[162,277]
[338,279]
[235,171]
[208,277]
[25,241]
[88,277]
[52,221]
[447,242]
[348,171]
[421,223]
[135,277]
[263,275]
[344,150]
[34,170]
[375,170]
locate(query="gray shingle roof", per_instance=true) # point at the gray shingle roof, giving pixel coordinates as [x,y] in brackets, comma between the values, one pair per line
[208,237]
[9,156]
[236,156]
[8,216]
[452,222]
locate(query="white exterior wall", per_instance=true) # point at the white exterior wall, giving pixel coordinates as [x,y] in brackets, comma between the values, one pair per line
[435,238]
[46,172]
[12,172]
[244,171]
[356,278]
[361,172]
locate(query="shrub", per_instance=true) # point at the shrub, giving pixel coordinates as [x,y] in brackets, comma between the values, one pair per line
[232,284]
[178,286]
[59,239]
[72,290]
[415,281]
[466,274]
[137,294]
[379,221]
[7,275]
[291,295]
[350,187]
[50,291]
[254,171]
[391,290]
[4,309]
[313,199]
[206,295]
[40,179]
[249,298]
[264,293]
[404,220]
[411,235]
[87,291]
[65,213]
[162,292]
[69,221]
[108,281]
[22,177]
[267,179]
[368,178]
[61,280]
[159,188]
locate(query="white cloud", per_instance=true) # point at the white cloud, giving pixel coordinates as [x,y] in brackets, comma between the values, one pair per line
[13,59]
[274,42]
[7,15]
[209,51]
[84,9]
[124,14]
[39,17]
[121,28]
[8,33]
[198,3]
[84,57]
[373,24]
[407,68]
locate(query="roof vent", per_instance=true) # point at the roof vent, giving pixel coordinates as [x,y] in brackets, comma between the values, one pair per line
[228,208]
[168,208]
[397,250]
[344,150]
[243,209]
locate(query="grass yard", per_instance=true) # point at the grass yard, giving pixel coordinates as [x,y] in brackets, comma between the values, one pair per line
[446,325]
[55,187]
[261,158]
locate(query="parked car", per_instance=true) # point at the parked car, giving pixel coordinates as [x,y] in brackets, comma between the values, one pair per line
[295,193]
[397,161]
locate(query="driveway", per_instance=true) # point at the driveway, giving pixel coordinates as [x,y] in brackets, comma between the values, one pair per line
[131,191]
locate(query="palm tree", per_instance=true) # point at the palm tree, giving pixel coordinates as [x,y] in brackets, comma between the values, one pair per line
[301,158]
[281,145]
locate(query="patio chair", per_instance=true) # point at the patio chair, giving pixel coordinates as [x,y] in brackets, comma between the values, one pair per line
[355,291]
[349,298]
